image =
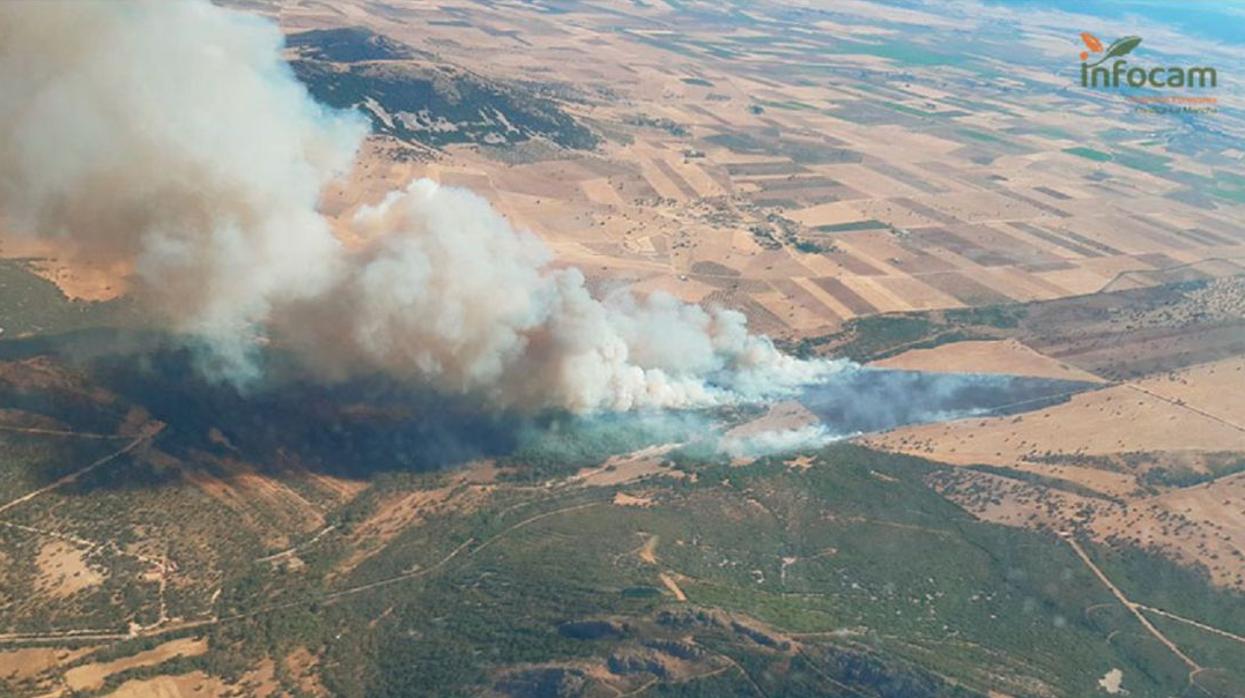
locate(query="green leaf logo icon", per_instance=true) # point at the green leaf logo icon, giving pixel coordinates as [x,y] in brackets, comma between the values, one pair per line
[1120,47]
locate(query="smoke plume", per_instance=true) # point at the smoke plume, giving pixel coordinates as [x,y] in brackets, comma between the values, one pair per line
[805,438]
[172,135]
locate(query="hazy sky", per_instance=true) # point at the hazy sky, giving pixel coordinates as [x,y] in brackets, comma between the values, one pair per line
[1222,20]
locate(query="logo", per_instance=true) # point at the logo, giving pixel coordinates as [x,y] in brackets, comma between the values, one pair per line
[1121,73]
[1106,68]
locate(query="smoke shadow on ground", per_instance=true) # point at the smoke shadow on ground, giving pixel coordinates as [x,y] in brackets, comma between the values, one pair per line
[292,421]
[867,400]
[288,420]
[359,428]
[351,429]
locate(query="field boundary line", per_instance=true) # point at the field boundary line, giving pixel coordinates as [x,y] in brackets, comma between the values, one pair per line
[1186,406]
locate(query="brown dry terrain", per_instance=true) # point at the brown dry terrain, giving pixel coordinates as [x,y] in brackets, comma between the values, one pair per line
[78,277]
[402,511]
[727,173]
[1156,462]
[65,569]
[19,664]
[619,470]
[92,676]
[800,166]
[1114,420]
[989,356]
[190,685]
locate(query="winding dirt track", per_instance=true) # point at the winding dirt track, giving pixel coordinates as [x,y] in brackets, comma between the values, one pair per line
[146,435]
[152,631]
[59,432]
[1134,608]
[1190,621]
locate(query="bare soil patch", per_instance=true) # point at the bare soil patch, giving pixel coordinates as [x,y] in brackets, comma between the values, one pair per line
[65,570]
[1007,356]
[196,684]
[92,676]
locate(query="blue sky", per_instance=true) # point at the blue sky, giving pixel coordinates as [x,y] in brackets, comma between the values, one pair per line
[1221,20]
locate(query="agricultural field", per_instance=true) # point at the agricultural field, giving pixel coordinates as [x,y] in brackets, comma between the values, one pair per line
[730,168]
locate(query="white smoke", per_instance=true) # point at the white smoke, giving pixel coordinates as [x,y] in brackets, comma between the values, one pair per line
[776,441]
[454,295]
[171,134]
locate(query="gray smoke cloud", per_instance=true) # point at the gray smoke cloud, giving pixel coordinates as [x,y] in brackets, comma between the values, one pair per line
[452,294]
[171,135]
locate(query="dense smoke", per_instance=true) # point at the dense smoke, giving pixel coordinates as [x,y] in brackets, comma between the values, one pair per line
[172,135]
[452,294]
